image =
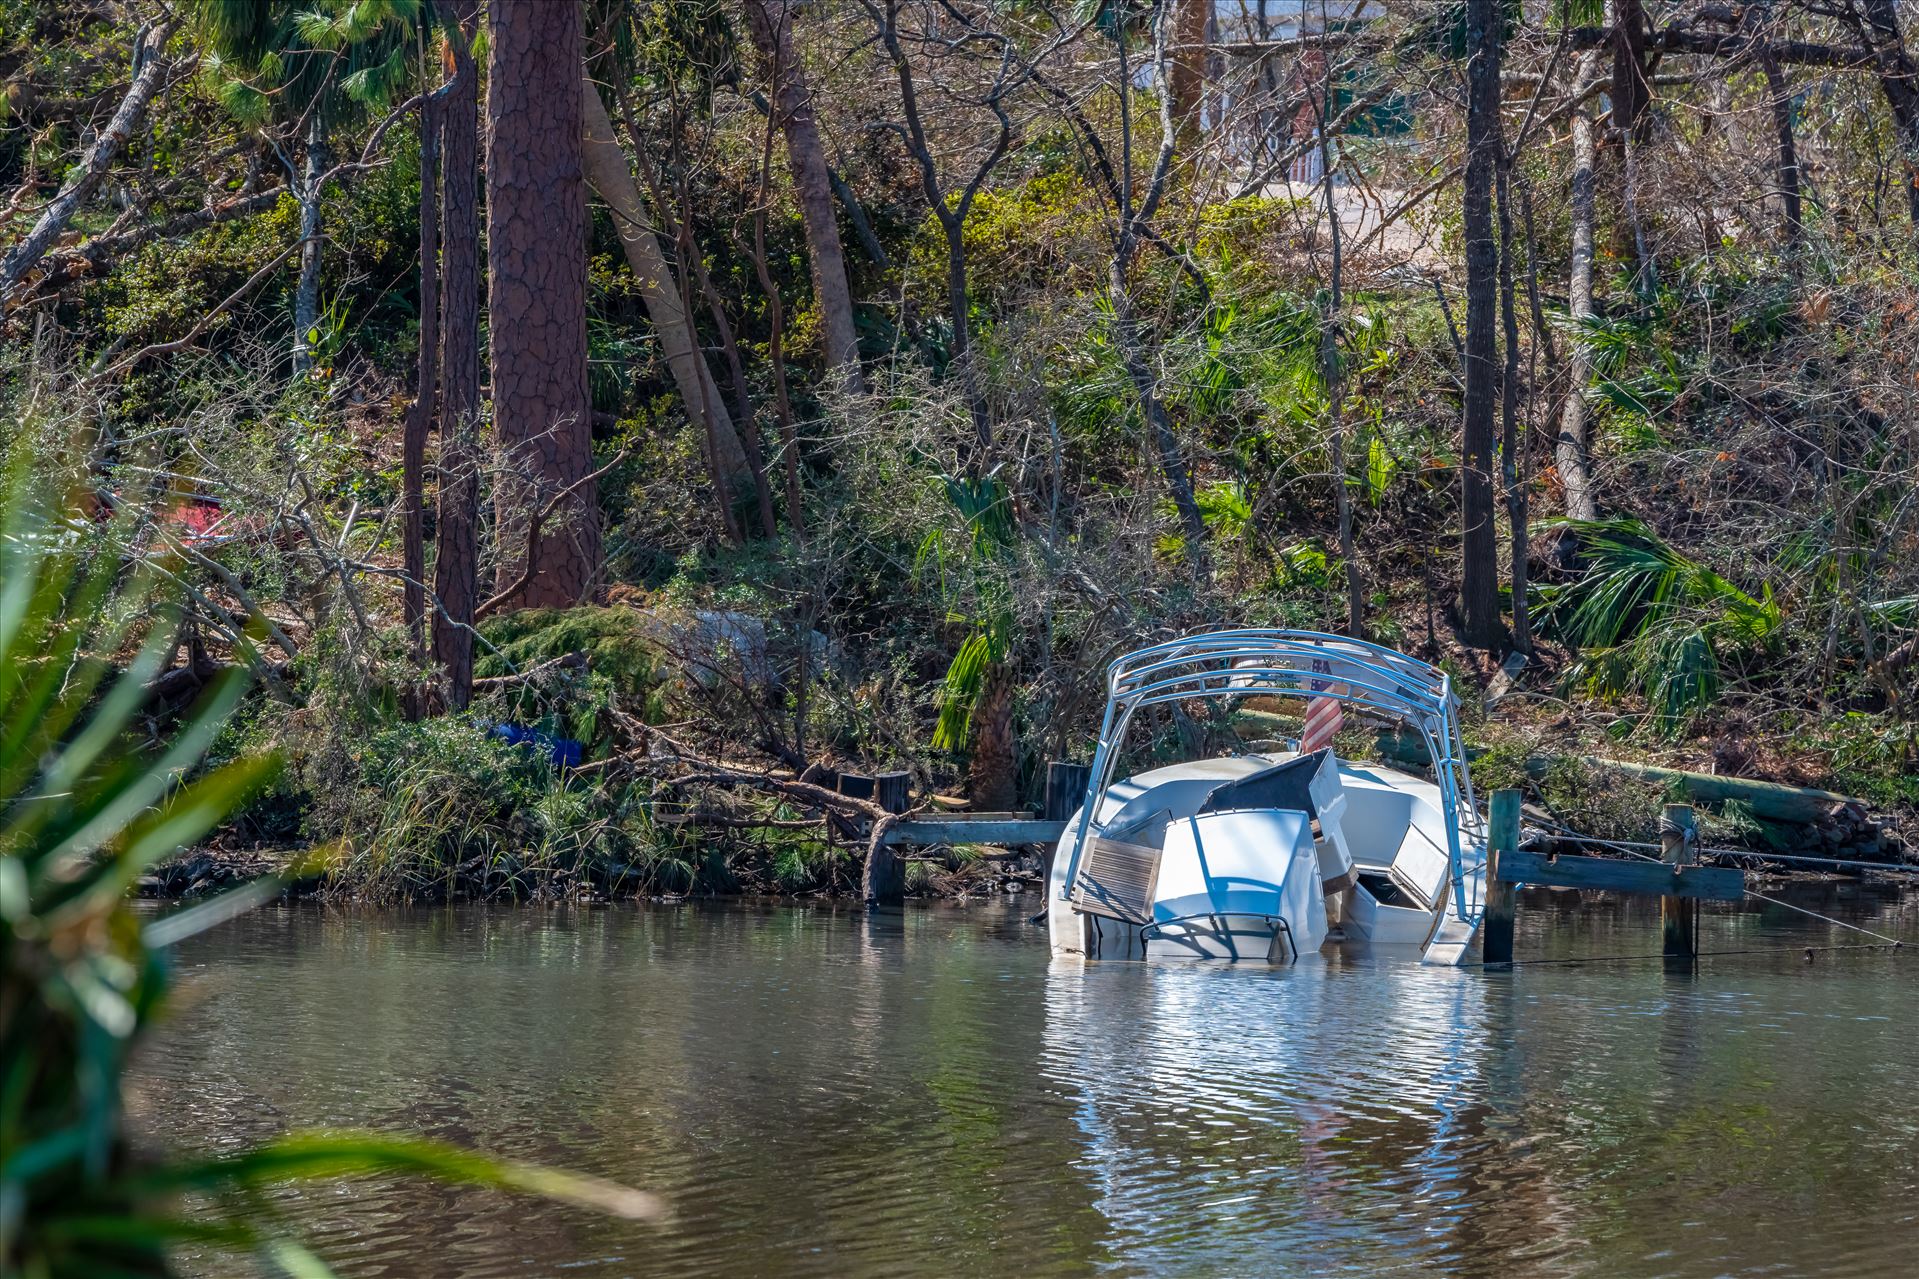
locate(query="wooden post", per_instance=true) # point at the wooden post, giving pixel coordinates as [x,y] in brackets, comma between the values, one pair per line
[884,883]
[1065,788]
[1502,902]
[891,791]
[1678,916]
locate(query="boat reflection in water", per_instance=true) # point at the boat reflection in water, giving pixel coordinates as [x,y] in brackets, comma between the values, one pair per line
[1319,1115]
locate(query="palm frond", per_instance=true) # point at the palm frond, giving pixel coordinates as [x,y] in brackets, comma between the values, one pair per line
[85,806]
[1653,622]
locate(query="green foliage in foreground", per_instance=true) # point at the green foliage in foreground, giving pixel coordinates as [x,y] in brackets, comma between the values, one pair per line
[83,811]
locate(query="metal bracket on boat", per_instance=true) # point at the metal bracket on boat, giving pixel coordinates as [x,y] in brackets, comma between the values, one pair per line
[1280,930]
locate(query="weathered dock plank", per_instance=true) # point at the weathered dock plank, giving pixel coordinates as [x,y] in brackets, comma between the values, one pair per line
[993,829]
[1661,879]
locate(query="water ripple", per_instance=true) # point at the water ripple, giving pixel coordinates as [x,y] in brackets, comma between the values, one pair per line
[823,1092]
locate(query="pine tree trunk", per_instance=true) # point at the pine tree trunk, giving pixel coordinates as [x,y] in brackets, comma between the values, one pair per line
[456,568]
[536,287]
[420,419]
[1480,590]
[772,26]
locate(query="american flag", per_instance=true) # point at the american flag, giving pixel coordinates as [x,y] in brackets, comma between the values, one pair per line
[1323,714]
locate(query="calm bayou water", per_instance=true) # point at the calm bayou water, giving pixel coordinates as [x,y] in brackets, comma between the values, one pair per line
[817,1091]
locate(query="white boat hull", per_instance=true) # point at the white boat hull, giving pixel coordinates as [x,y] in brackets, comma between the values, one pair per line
[1258,884]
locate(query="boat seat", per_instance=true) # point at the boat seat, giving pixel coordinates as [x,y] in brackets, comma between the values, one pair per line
[1117,880]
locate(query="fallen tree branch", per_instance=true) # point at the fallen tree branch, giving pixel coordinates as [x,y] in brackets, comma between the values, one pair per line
[151,68]
[1675,39]
[732,821]
[90,256]
[804,792]
[569,661]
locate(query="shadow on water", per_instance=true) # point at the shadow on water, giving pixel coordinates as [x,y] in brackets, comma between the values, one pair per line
[820,1090]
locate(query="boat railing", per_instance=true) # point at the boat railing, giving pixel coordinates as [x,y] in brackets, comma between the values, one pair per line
[1306,664]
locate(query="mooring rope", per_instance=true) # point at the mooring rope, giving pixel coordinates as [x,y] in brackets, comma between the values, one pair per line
[1632,850]
[1704,954]
[1569,835]
[1893,941]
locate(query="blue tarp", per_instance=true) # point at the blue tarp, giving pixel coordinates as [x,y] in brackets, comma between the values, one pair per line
[562,751]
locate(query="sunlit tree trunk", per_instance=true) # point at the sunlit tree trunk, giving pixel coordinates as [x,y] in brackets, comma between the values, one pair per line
[612,180]
[772,26]
[536,292]
[149,72]
[1572,449]
[306,294]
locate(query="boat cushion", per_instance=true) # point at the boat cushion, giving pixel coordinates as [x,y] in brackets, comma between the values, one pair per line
[1117,880]
[1285,786]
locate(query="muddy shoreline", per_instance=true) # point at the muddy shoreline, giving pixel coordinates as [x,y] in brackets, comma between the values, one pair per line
[205,872]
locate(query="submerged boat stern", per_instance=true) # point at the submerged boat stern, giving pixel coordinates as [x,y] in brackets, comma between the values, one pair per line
[1225,859]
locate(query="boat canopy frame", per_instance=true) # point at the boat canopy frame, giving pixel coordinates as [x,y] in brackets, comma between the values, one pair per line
[1306,664]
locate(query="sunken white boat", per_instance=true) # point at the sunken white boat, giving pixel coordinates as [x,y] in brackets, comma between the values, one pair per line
[1269,856]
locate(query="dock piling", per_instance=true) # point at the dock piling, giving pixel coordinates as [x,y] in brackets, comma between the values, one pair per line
[1065,788]
[1678,916]
[1502,900]
[884,881]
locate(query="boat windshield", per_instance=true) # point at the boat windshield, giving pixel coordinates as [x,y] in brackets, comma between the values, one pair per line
[1408,693]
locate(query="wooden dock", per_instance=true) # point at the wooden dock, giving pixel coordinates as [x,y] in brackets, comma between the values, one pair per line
[1008,829]
[1675,878]
[884,881]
